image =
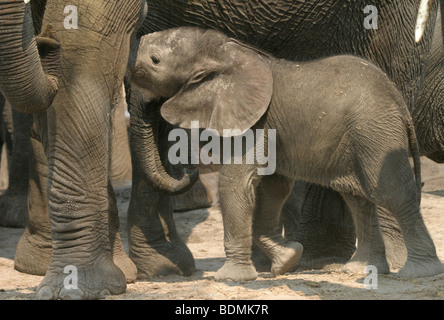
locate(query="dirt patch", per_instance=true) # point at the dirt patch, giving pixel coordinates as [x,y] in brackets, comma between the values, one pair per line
[203,232]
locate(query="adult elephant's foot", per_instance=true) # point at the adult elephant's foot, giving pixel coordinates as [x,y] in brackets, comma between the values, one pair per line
[236,271]
[13,210]
[154,244]
[33,253]
[285,256]
[421,268]
[92,281]
[121,260]
[358,264]
[161,258]
[319,219]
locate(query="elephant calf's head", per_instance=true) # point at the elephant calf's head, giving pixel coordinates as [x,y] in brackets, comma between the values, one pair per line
[164,59]
[206,77]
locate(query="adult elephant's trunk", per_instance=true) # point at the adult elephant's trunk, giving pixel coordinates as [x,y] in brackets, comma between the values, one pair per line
[144,130]
[24,59]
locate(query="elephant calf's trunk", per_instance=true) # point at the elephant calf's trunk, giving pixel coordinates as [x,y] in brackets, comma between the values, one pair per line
[145,148]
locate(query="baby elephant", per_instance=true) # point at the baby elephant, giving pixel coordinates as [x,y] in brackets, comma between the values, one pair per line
[338,122]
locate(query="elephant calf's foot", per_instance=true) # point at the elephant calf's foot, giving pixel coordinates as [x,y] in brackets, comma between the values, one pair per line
[421,268]
[94,281]
[260,260]
[162,259]
[33,253]
[234,271]
[285,257]
[13,210]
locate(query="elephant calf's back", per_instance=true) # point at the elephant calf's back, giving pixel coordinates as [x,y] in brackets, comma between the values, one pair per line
[343,116]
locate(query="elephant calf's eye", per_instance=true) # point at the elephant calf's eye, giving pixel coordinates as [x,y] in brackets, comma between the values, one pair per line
[155,60]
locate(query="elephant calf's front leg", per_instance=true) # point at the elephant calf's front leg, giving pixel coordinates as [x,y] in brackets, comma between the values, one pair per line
[251,209]
[237,204]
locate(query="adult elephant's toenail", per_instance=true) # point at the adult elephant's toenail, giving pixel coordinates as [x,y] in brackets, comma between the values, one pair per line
[71,294]
[45,293]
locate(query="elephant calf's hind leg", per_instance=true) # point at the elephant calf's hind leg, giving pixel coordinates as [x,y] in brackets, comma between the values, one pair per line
[422,260]
[370,247]
[271,194]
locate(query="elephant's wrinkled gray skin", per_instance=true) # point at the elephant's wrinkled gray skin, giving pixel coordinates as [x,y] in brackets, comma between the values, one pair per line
[31,62]
[13,203]
[429,114]
[303,31]
[71,143]
[20,64]
[301,21]
[121,169]
[354,136]
[158,249]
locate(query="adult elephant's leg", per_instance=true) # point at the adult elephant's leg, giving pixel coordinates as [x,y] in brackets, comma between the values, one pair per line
[120,258]
[78,159]
[428,113]
[34,248]
[7,126]
[3,146]
[155,246]
[13,203]
[93,64]
[371,248]
[318,218]
[121,168]
[199,196]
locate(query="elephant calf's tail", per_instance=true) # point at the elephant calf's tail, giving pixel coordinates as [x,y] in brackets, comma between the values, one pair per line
[414,151]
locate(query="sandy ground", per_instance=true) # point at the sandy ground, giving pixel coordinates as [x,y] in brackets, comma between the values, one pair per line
[202,230]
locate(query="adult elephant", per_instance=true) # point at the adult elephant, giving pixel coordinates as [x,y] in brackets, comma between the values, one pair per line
[71,139]
[21,66]
[303,30]
[13,204]
[428,113]
[29,81]
[17,129]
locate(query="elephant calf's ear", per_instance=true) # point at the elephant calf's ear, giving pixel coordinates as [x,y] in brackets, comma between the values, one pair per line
[231,92]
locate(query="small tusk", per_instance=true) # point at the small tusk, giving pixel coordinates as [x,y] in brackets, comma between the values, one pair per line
[421,20]
[27,1]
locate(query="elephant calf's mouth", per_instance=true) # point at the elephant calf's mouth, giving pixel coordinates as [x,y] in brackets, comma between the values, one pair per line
[138,76]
